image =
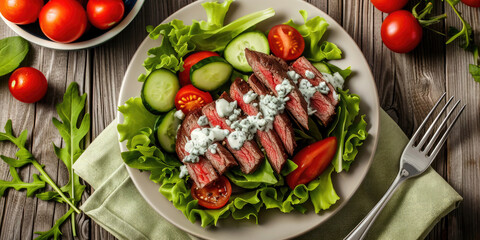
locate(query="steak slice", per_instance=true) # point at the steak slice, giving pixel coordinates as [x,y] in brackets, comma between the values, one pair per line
[222,159]
[301,65]
[272,71]
[268,138]
[202,172]
[281,123]
[249,156]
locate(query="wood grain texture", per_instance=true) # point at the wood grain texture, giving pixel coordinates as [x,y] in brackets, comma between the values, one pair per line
[407,84]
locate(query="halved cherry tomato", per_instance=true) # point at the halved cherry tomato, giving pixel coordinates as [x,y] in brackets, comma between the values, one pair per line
[28,85]
[21,11]
[286,42]
[389,6]
[189,98]
[213,196]
[312,161]
[191,60]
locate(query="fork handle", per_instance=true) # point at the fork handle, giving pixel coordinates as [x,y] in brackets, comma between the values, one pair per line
[360,231]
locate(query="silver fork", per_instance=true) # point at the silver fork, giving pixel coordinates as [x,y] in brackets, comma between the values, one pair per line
[416,158]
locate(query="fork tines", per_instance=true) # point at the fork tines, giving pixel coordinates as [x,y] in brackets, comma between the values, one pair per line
[431,141]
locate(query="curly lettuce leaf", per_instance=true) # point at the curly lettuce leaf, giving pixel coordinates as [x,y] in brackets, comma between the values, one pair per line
[211,35]
[345,73]
[312,31]
[136,117]
[323,195]
[263,175]
[345,128]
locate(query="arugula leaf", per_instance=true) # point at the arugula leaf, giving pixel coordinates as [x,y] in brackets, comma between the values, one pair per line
[25,157]
[18,184]
[55,230]
[12,52]
[312,31]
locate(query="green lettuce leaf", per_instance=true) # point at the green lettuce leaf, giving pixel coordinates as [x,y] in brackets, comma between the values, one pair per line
[216,13]
[323,195]
[350,133]
[263,175]
[136,117]
[345,73]
[312,31]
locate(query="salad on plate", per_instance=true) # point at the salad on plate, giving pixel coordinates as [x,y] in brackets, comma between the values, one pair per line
[232,120]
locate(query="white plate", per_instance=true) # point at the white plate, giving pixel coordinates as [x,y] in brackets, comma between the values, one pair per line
[272,223]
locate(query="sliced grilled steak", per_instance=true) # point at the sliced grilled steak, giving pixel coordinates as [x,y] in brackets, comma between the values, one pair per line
[222,159]
[269,139]
[301,65]
[201,172]
[249,156]
[281,124]
[271,71]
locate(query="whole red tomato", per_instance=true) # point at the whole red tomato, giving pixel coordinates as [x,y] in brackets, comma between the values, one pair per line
[472,3]
[401,31]
[104,14]
[63,20]
[389,6]
[191,60]
[286,42]
[21,11]
[27,85]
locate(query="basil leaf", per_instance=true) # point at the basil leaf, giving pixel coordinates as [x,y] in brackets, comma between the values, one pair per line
[12,52]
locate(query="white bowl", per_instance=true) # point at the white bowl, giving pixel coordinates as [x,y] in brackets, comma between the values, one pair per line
[91,38]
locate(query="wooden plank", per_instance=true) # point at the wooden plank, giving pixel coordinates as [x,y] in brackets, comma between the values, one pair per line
[463,151]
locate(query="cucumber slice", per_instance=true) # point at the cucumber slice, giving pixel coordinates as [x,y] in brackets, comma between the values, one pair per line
[322,67]
[166,130]
[235,50]
[159,90]
[210,73]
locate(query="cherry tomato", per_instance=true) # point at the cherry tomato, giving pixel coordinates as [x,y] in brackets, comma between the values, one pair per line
[63,20]
[191,60]
[21,11]
[189,98]
[389,6]
[401,31]
[286,42]
[312,161]
[27,85]
[104,14]
[472,3]
[213,196]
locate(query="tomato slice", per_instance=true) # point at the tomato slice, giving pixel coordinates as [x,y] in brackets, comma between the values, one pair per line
[190,98]
[191,60]
[213,196]
[312,161]
[286,42]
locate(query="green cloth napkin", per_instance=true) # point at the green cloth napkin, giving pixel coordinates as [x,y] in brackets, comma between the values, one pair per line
[412,212]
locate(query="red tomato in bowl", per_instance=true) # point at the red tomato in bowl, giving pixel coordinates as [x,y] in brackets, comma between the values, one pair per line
[401,31]
[312,161]
[191,60]
[389,6]
[27,85]
[104,14]
[286,42]
[63,20]
[213,196]
[189,98]
[472,3]
[21,11]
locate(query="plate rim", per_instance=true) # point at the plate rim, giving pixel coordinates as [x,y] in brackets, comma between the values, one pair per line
[78,45]
[374,128]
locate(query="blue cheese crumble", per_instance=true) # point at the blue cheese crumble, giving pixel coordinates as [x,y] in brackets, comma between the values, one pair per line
[183,171]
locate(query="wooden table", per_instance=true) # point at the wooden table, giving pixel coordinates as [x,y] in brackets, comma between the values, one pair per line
[408,85]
